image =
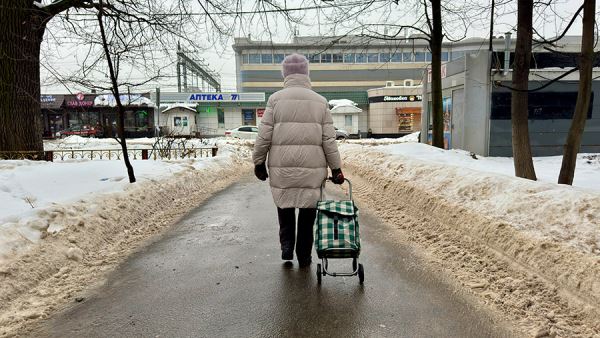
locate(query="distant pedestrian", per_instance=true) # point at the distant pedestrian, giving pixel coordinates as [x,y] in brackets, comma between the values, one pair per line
[297,133]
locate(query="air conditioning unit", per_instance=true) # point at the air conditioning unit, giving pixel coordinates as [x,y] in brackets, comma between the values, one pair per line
[408,83]
[389,83]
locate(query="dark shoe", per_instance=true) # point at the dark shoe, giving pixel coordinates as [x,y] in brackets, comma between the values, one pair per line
[287,254]
[304,262]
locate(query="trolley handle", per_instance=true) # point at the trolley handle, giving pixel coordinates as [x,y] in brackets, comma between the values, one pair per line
[331,179]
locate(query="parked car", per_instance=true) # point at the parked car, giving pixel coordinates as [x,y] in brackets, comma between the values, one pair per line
[83,131]
[243,132]
[341,134]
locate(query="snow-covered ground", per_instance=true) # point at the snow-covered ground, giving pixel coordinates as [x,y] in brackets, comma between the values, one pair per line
[32,191]
[543,209]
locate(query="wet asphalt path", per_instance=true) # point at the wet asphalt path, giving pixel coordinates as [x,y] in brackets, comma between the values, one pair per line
[219,273]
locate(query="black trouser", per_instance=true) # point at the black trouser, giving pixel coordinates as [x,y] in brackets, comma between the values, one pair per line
[287,230]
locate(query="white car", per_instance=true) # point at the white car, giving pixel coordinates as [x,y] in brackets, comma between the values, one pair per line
[243,132]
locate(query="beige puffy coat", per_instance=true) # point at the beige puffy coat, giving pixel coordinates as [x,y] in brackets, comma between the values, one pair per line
[297,133]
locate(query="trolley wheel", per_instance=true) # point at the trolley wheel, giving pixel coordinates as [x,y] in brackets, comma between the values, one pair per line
[361,273]
[319,275]
[354,261]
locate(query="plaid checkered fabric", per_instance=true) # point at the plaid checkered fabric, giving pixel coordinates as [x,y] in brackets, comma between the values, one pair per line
[336,227]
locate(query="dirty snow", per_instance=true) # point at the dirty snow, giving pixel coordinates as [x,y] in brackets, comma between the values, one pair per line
[32,193]
[543,209]
[98,230]
[527,248]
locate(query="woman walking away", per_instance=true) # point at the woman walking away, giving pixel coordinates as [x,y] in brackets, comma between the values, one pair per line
[297,133]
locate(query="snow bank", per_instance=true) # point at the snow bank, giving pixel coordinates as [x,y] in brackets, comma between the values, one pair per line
[410,138]
[33,193]
[69,246]
[552,230]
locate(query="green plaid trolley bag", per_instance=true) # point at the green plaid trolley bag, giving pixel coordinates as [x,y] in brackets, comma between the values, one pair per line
[337,235]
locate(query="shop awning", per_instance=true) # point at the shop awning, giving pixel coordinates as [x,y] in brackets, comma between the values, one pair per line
[51,101]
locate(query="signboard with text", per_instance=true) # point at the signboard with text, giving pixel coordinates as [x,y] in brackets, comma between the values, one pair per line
[396,98]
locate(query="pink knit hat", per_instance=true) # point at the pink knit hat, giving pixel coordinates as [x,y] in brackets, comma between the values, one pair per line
[294,64]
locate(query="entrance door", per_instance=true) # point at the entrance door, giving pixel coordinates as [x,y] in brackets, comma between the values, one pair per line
[55,124]
[458,119]
[249,117]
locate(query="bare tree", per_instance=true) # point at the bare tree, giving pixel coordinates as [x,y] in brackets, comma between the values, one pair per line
[521,146]
[571,148]
[433,20]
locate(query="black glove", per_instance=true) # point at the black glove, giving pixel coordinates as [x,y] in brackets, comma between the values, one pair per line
[336,176]
[260,171]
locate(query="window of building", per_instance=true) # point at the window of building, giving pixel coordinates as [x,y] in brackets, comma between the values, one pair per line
[428,57]
[396,57]
[444,56]
[266,58]
[244,58]
[542,105]
[373,57]
[407,57]
[325,58]
[384,57]
[253,58]
[314,58]
[457,55]
[349,58]
[278,58]
[220,117]
[420,57]
[348,120]
[337,58]
[361,58]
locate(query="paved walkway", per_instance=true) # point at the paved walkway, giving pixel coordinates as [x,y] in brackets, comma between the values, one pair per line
[218,274]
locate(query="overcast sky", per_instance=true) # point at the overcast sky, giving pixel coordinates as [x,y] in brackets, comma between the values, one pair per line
[63,57]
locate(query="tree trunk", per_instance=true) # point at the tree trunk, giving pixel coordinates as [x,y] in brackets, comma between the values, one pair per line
[435,44]
[571,148]
[121,109]
[520,82]
[21,33]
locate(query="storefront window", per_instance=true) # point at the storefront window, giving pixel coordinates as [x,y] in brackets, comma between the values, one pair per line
[444,56]
[278,58]
[407,57]
[337,58]
[221,117]
[253,58]
[349,58]
[84,118]
[314,58]
[428,57]
[361,58]
[420,57]
[373,57]
[325,58]
[396,57]
[266,58]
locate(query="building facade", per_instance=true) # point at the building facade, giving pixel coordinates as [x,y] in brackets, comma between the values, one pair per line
[347,68]
[60,112]
[477,97]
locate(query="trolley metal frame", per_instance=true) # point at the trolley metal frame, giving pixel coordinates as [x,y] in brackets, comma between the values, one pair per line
[357,268]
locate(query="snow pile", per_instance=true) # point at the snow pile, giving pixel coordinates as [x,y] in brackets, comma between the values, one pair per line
[410,138]
[86,219]
[341,103]
[33,194]
[109,100]
[551,229]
